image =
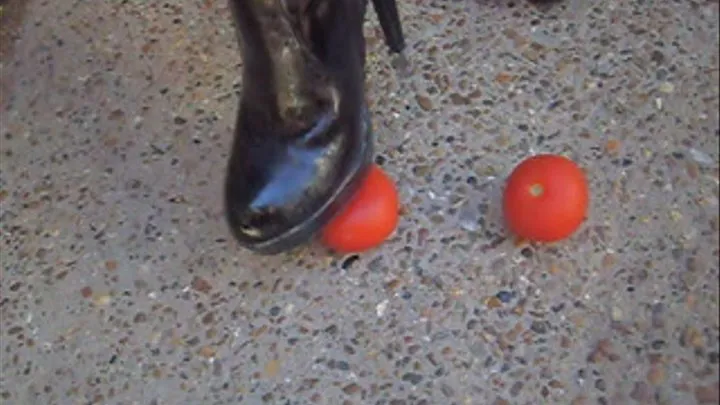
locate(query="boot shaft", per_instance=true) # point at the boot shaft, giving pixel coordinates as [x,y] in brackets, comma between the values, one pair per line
[302,59]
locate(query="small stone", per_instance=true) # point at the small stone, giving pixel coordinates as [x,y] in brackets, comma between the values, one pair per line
[658,316]
[657,57]
[565,342]
[539,327]
[656,358]
[392,285]
[701,157]
[207,352]
[666,88]
[86,292]
[514,332]
[493,302]
[609,260]
[101,299]
[692,337]
[556,384]
[116,115]
[502,141]
[659,103]
[709,394]
[469,218]
[693,170]
[381,307]
[257,332]
[694,265]
[642,393]
[458,99]
[424,102]
[519,309]
[612,146]
[601,385]
[579,400]
[504,78]
[201,285]
[412,378]
[111,265]
[208,318]
[272,368]
[656,375]
[603,350]
[421,170]
[554,269]
[351,389]
[675,215]
[516,388]
[447,390]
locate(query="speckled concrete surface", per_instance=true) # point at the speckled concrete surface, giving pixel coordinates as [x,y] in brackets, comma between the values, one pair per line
[121,284]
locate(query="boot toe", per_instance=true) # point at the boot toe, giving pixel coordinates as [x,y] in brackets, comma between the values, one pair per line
[261,210]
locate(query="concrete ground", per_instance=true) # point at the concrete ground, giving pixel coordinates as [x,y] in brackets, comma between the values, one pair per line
[121,284]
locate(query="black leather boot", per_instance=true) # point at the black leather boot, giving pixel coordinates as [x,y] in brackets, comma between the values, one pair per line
[303,138]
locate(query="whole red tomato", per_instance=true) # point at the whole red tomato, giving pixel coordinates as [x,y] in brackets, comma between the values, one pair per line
[370,217]
[546,198]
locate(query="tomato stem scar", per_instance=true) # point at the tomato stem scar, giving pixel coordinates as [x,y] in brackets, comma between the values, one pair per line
[536,190]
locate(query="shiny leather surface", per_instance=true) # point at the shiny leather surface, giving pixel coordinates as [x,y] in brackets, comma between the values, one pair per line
[302,137]
[274,187]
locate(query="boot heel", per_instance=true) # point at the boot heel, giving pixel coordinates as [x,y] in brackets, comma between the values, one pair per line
[390,23]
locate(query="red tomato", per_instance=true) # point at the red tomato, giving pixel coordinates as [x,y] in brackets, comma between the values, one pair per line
[369,218]
[546,198]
